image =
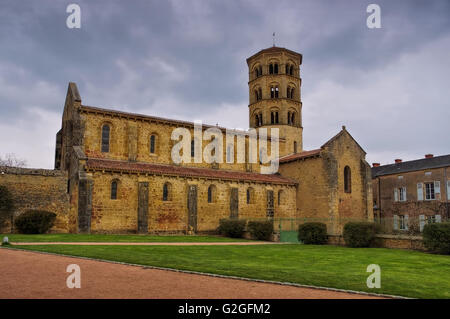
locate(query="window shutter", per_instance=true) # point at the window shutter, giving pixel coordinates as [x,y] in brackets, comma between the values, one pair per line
[395,195]
[406,222]
[404,193]
[438,218]
[421,222]
[448,189]
[395,222]
[437,187]
[419,191]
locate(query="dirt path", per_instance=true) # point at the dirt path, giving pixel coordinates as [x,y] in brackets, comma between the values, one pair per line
[35,275]
[243,243]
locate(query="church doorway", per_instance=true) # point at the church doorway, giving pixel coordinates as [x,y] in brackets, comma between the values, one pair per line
[270,206]
[234,203]
[192,208]
[143,208]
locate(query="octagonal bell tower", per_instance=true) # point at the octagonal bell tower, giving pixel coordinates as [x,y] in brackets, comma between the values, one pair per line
[275,96]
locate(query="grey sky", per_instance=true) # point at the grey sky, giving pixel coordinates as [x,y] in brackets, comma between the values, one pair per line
[185,59]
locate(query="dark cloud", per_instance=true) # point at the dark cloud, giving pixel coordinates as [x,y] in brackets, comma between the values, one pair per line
[186,59]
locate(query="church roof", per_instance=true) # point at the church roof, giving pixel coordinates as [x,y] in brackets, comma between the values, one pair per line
[301,155]
[410,166]
[175,170]
[275,49]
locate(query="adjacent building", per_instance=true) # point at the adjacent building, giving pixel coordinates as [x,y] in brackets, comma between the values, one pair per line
[409,194]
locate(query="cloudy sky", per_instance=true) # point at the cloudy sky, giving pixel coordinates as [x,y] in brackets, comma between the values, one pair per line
[185,59]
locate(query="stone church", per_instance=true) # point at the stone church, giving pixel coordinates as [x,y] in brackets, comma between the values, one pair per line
[119,176]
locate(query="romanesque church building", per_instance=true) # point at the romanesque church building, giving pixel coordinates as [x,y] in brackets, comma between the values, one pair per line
[114,171]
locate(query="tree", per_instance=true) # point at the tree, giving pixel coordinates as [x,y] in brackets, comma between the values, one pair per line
[6,206]
[10,160]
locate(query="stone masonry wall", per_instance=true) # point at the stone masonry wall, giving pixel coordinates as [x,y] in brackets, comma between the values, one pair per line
[121,214]
[38,189]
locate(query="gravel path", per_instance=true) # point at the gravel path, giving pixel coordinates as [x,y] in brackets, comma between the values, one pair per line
[35,275]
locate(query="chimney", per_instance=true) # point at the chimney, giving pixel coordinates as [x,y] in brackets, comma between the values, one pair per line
[398,160]
[375,164]
[429,155]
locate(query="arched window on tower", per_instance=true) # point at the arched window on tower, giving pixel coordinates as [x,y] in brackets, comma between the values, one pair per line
[256,120]
[293,118]
[289,118]
[105,138]
[276,118]
[347,180]
[260,70]
[287,68]
[272,92]
[272,118]
[276,92]
[275,68]
[114,189]
[270,68]
[260,93]
[260,119]
[291,70]
[256,72]
[292,93]
[288,92]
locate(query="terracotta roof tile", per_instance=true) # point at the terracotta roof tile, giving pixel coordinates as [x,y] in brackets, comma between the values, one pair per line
[161,169]
[301,155]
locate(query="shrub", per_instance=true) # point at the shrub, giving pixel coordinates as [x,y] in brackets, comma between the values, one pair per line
[35,222]
[261,230]
[436,237]
[232,227]
[6,205]
[360,234]
[313,233]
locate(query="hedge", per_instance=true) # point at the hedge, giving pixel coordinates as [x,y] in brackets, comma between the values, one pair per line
[232,227]
[261,230]
[436,237]
[6,205]
[313,233]
[35,222]
[360,234]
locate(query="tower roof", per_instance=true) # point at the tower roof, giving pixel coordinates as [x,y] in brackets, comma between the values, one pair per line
[275,49]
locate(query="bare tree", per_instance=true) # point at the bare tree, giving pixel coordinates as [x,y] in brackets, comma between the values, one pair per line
[10,160]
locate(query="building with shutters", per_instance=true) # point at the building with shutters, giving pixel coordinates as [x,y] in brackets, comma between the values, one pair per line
[409,194]
[120,176]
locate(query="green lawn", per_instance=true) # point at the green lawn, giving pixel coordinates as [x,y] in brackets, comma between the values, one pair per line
[113,238]
[403,273]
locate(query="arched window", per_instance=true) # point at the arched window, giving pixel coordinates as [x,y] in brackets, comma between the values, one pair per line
[292,93]
[271,69]
[287,68]
[257,72]
[260,70]
[114,189]
[293,118]
[295,147]
[291,70]
[250,195]
[289,118]
[167,192]
[288,92]
[152,144]
[260,119]
[256,95]
[260,93]
[192,148]
[272,92]
[211,193]
[105,138]
[275,68]
[274,117]
[276,92]
[347,180]
[256,120]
